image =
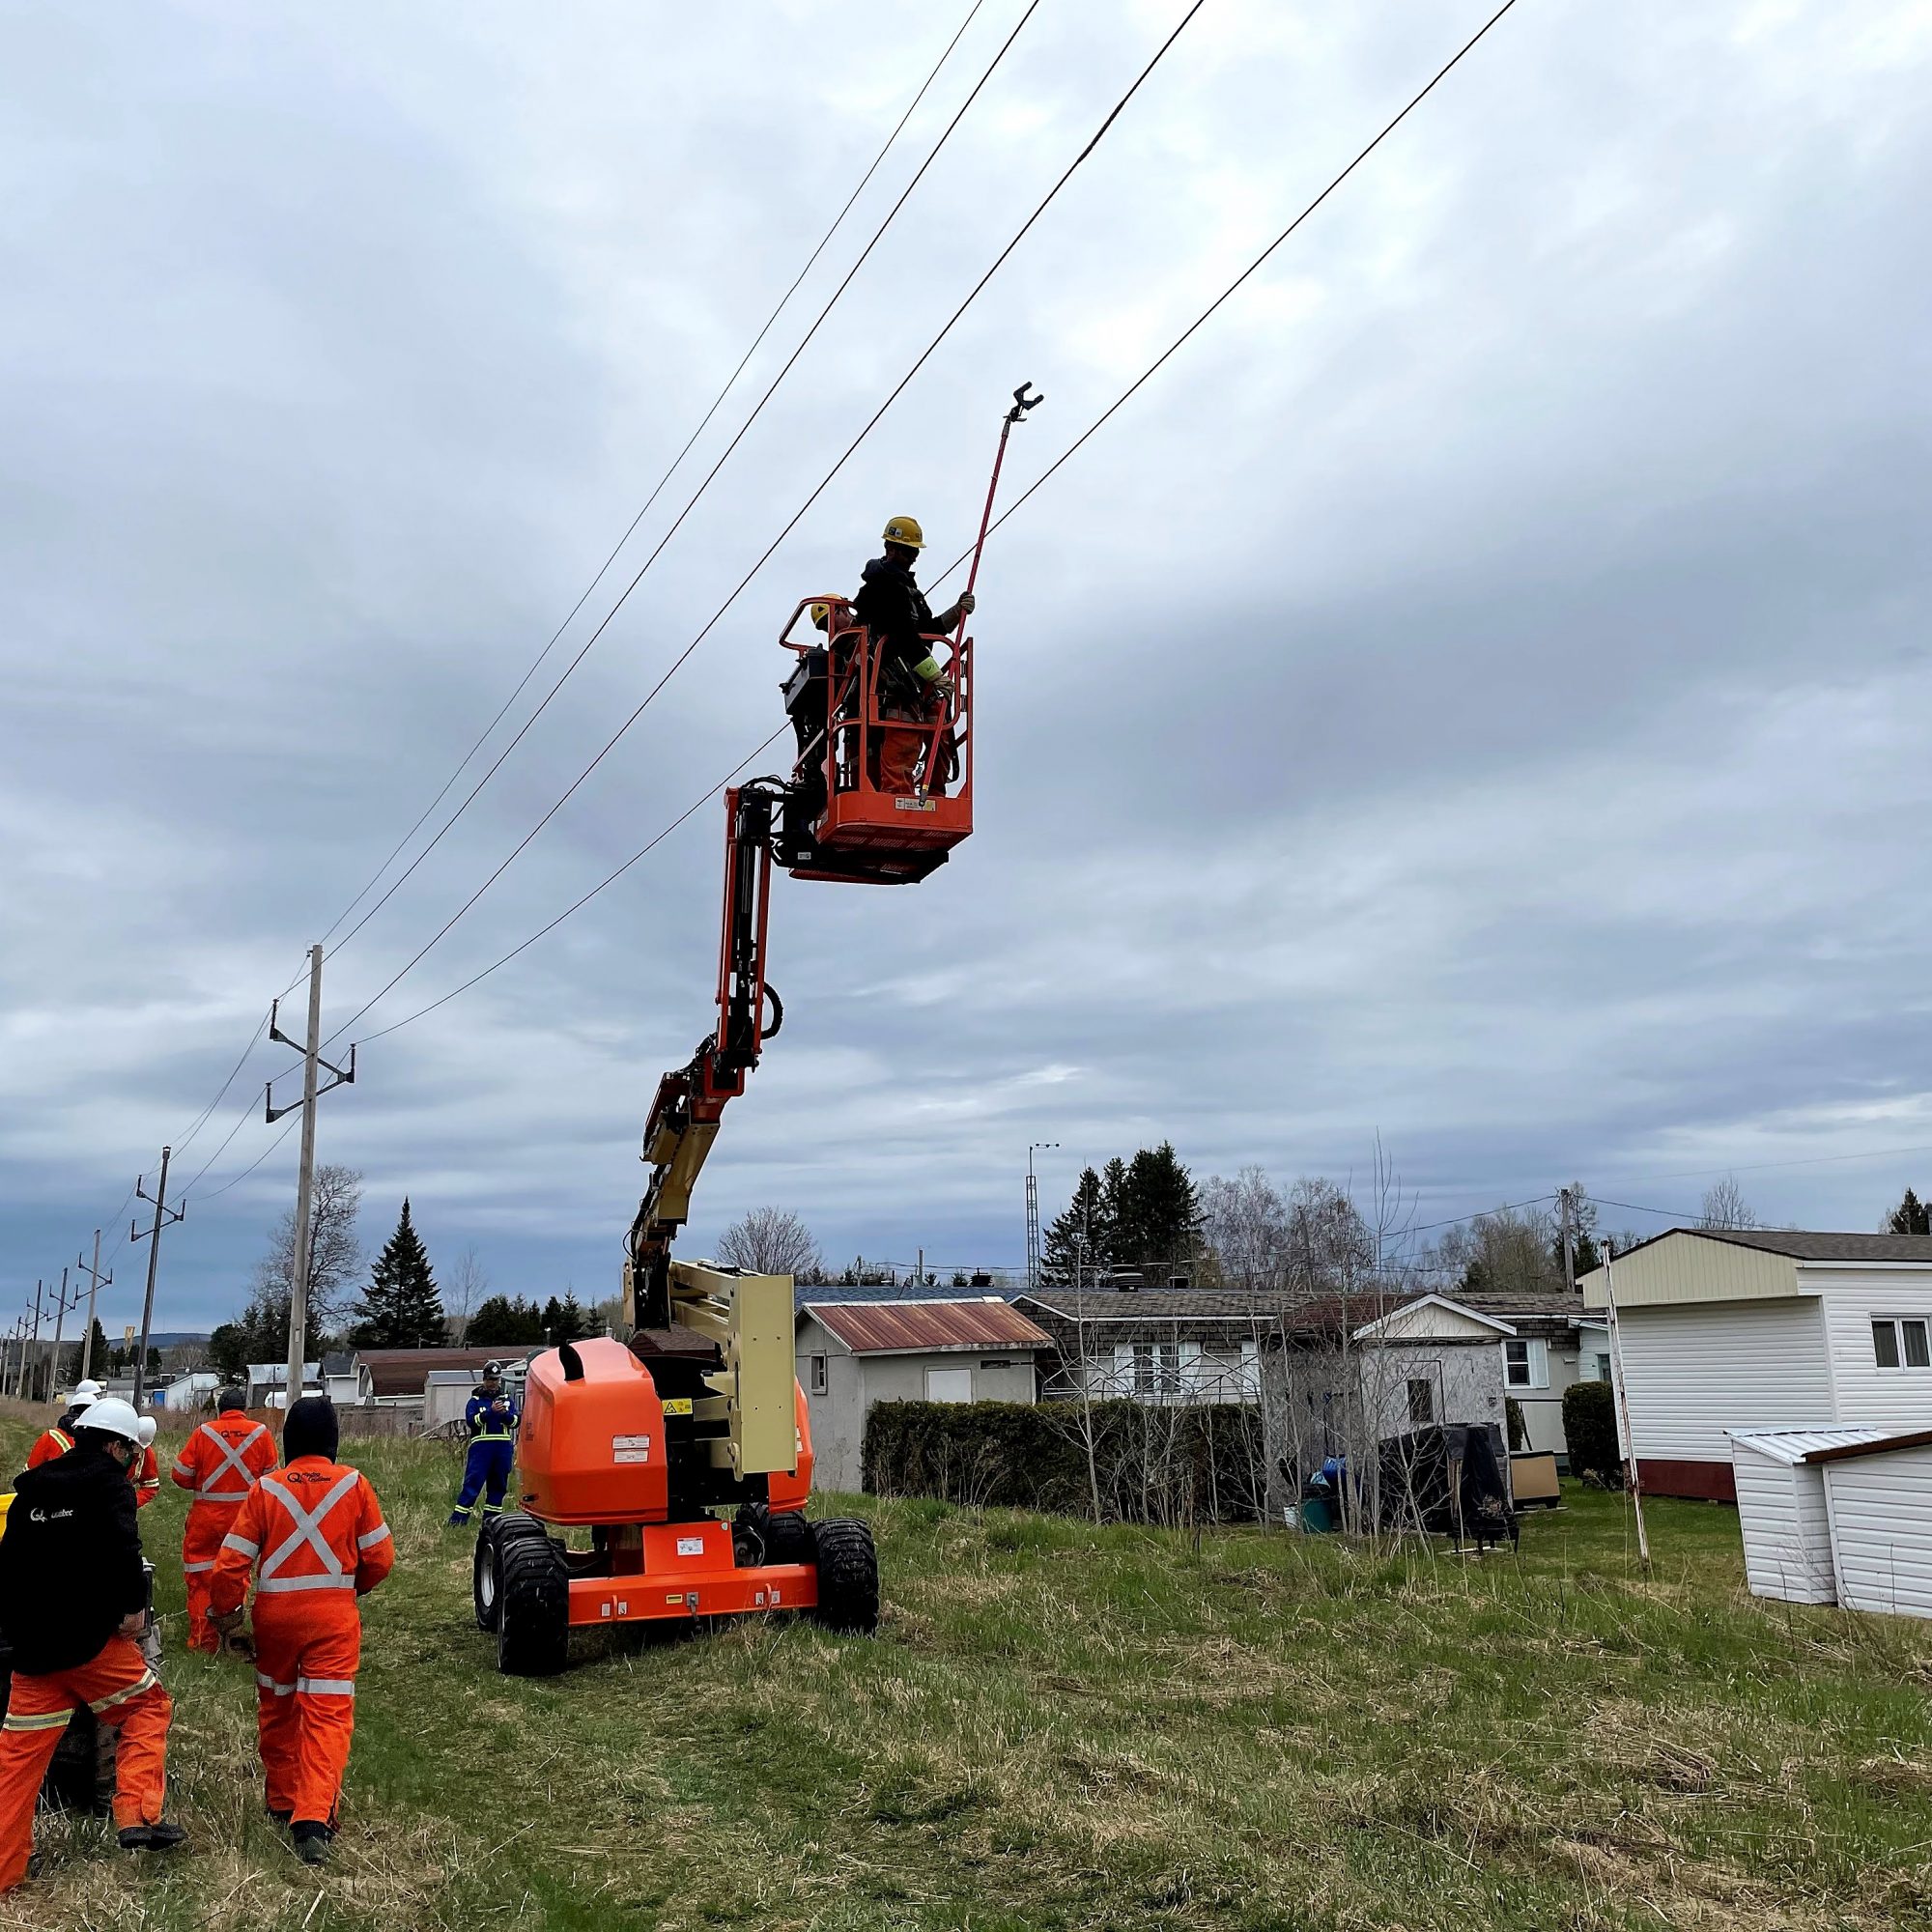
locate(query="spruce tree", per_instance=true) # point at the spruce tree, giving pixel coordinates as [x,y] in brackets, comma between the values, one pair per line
[401,1308]
[1157,1219]
[1086,1214]
[1911,1216]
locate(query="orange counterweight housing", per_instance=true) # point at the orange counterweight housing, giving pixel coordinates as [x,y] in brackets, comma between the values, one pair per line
[593,1450]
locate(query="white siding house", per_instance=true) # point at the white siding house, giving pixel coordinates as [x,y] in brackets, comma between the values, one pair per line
[1724,1331]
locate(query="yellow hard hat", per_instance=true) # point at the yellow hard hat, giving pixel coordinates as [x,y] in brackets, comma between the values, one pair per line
[905,531]
[820,614]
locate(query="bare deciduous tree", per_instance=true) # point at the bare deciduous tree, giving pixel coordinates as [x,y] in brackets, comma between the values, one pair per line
[466,1285]
[772,1240]
[1725,1207]
[334,1261]
[1245,1224]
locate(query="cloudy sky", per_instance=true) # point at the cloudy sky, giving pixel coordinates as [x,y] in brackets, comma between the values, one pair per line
[1475,695]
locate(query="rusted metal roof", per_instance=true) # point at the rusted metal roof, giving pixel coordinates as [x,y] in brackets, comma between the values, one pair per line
[394,1372]
[901,1327]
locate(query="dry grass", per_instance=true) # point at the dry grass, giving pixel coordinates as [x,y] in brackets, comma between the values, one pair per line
[1060,1726]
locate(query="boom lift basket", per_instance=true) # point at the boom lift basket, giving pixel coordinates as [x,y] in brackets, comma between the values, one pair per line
[845,824]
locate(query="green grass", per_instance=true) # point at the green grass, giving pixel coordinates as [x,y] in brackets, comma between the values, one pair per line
[1065,1726]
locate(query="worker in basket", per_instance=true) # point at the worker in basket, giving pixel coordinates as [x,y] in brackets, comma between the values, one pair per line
[217,1465]
[911,685]
[490,1417]
[73,1602]
[58,1438]
[316,1531]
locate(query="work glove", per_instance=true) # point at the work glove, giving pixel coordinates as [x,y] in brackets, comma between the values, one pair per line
[967,603]
[235,1639]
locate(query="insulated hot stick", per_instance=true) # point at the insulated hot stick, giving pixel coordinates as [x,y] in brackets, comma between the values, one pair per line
[1022,403]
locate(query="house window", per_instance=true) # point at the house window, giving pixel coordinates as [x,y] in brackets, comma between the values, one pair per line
[1421,1400]
[1251,1381]
[949,1384]
[815,1380]
[1527,1364]
[1902,1343]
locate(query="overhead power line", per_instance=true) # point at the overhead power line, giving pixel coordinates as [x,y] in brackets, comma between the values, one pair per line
[798,516]
[690,502]
[1226,294]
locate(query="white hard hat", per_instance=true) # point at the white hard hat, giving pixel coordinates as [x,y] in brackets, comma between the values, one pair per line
[149,1428]
[113,1418]
[87,1391]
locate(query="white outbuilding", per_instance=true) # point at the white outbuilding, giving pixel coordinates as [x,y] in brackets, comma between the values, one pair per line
[1837,1516]
[1787,1532]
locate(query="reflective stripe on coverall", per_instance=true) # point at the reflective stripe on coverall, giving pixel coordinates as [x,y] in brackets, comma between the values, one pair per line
[52,1442]
[117,1686]
[219,1463]
[317,1530]
[493,1454]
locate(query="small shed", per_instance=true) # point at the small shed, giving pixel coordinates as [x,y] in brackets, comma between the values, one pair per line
[402,1375]
[1787,1529]
[1878,1496]
[854,1353]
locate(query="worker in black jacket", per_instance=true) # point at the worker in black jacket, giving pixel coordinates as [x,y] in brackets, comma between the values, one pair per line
[894,610]
[73,1598]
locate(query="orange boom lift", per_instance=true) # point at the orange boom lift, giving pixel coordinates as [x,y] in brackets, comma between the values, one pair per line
[687,1453]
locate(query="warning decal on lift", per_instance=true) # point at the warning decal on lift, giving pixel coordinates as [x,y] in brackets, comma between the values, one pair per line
[630,1448]
[915,804]
[678,1405]
[691,1546]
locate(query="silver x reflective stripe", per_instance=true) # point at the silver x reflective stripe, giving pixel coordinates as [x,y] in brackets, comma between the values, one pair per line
[307,1529]
[231,1458]
[232,1541]
[147,1681]
[326,1686]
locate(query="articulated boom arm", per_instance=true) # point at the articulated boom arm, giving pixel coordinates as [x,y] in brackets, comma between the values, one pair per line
[684,1117]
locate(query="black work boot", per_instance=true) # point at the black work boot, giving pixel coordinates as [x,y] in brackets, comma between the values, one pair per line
[311,1841]
[151,1837]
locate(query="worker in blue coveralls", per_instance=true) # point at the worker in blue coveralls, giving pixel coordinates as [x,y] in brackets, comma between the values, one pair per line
[492,1420]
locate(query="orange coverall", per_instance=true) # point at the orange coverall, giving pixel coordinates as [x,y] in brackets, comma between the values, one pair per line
[316,1531]
[219,1463]
[147,1479]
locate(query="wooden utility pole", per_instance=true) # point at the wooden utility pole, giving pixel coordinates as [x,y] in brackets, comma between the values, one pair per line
[95,1282]
[299,1264]
[1566,1209]
[164,1217]
[1621,1390]
[61,1306]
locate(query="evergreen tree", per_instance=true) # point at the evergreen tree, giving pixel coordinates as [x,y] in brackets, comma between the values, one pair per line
[401,1308]
[227,1351]
[1086,1214]
[1912,1216]
[1157,1217]
[503,1320]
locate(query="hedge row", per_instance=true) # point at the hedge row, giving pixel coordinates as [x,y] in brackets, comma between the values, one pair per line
[1152,1464]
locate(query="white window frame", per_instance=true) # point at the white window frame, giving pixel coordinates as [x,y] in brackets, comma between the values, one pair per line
[1535,1363]
[1427,1384]
[1903,1364]
[816,1378]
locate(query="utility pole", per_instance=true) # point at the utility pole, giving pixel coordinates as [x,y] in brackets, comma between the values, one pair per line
[61,1307]
[95,1282]
[164,1217]
[31,1367]
[298,1266]
[1621,1390]
[1033,1216]
[1566,1210]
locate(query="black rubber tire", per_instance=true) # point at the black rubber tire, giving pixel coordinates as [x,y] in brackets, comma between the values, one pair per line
[486,1573]
[532,1608]
[848,1575]
[789,1538]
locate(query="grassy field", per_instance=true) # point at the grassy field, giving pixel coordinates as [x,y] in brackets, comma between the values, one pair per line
[1065,1726]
